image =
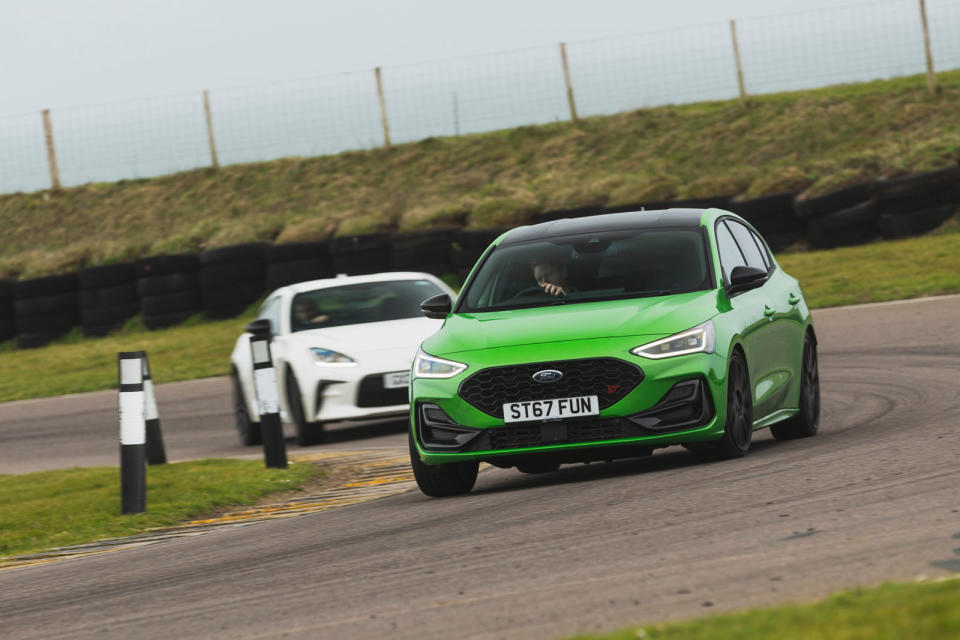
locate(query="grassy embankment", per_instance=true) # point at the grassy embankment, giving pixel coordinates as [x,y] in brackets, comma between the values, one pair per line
[818,139]
[924,611]
[71,506]
[924,266]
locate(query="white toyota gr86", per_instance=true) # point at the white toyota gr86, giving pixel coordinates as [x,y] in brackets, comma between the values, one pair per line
[342,350]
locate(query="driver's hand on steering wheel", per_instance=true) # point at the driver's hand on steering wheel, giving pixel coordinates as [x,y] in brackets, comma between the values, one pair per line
[553,289]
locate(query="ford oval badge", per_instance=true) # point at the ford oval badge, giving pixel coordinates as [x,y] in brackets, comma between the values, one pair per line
[547,375]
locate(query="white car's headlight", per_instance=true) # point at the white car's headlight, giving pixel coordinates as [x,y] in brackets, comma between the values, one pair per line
[331,357]
[700,339]
[427,366]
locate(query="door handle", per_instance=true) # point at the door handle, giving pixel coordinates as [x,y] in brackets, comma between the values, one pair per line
[768,311]
[793,299]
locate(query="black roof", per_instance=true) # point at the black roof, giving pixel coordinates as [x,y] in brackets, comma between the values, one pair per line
[607,222]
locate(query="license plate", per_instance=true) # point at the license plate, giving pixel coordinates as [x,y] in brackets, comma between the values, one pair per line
[396,380]
[551,409]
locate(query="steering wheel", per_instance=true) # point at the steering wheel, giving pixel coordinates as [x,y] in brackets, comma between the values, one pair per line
[529,291]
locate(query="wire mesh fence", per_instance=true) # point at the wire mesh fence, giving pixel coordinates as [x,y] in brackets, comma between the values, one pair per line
[338,112]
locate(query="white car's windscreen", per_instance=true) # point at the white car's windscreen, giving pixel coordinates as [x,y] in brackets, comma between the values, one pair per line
[360,303]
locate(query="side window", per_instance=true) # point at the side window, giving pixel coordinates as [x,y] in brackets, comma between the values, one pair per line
[763,250]
[748,245]
[730,255]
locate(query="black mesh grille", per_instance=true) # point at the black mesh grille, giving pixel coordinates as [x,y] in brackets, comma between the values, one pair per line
[607,378]
[372,394]
[539,433]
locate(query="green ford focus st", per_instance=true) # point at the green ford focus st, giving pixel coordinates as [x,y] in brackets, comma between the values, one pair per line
[607,337]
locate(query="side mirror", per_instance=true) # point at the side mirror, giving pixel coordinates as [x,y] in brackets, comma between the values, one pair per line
[437,307]
[745,278]
[260,326]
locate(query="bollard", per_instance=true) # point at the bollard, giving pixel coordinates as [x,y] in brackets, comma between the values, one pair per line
[265,385]
[156,452]
[133,469]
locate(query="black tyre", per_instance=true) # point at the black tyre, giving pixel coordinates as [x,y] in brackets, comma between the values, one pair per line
[167,265]
[172,283]
[37,339]
[49,286]
[283,273]
[109,296]
[251,252]
[369,242]
[6,289]
[479,239]
[807,420]
[109,275]
[231,273]
[442,480]
[423,240]
[46,304]
[247,429]
[915,223]
[834,201]
[163,320]
[308,433]
[58,322]
[297,251]
[8,329]
[769,214]
[170,303]
[738,430]
[108,316]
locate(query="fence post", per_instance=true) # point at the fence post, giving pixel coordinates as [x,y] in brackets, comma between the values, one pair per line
[736,58]
[156,452]
[265,384]
[566,79]
[51,150]
[383,109]
[931,75]
[213,145]
[133,468]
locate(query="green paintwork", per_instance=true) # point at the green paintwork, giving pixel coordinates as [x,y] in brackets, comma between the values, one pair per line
[771,342]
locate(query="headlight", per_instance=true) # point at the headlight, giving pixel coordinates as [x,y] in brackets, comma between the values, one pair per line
[331,357]
[700,339]
[427,366]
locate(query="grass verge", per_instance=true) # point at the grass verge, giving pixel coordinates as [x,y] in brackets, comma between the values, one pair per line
[921,611]
[923,266]
[63,507]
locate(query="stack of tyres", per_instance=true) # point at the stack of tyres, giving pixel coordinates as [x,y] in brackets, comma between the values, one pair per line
[773,216]
[467,248]
[169,289]
[361,255]
[108,297]
[299,262]
[919,203]
[844,217]
[8,324]
[46,308]
[427,251]
[232,278]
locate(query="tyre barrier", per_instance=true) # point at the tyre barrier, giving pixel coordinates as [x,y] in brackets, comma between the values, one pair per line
[8,324]
[232,278]
[107,298]
[47,306]
[299,262]
[361,254]
[168,288]
[223,282]
[427,251]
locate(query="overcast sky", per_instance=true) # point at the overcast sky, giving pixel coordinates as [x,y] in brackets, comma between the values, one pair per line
[58,53]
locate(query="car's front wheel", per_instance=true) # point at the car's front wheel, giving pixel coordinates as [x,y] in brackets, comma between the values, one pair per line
[248,430]
[738,428]
[308,433]
[442,480]
[807,420]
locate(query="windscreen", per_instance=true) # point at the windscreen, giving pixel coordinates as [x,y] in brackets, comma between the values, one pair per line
[360,303]
[589,268]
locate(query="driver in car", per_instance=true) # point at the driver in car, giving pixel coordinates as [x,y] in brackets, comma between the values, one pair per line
[306,312]
[552,277]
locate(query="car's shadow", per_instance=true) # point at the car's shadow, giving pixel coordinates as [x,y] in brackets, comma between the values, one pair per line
[350,431]
[668,460]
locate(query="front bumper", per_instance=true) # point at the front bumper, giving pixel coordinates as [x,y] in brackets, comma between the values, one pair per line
[679,400]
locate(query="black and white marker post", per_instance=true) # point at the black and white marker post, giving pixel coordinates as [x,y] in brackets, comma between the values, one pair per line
[133,433]
[156,452]
[265,385]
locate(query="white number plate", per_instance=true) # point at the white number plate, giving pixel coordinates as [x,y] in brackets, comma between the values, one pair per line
[551,409]
[396,380]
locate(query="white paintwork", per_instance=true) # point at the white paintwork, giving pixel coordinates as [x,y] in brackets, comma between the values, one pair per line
[150,408]
[265,383]
[378,348]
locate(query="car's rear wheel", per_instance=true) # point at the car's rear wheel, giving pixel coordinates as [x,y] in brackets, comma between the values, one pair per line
[738,429]
[247,429]
[807,420]
[442,480]
[308,433]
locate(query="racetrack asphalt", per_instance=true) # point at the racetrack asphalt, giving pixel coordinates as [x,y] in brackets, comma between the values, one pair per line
[874,496]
